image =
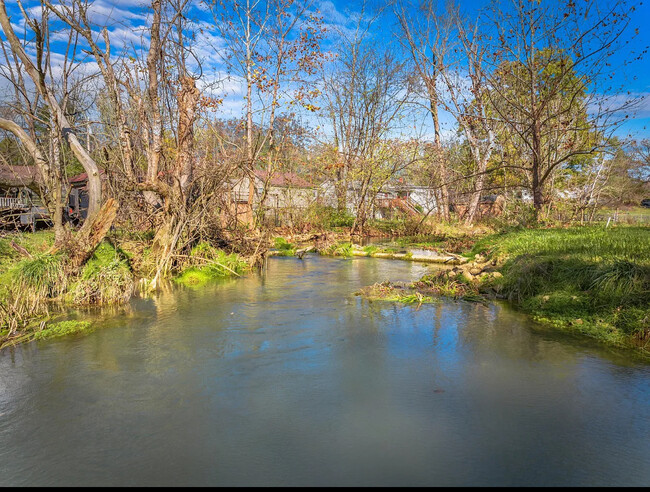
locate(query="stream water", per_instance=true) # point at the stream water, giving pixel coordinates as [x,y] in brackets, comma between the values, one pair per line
[286,378]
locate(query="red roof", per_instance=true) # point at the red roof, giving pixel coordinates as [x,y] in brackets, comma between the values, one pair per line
[287,180]
[83,177]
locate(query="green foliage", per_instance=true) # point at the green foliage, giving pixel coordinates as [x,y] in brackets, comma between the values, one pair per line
[207,263]
[329,217]
[61,328]
[284,247]
[339,249]
[282,243]
[106,278]
[370,249]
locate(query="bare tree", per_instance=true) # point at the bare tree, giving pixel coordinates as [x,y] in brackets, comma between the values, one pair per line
[550,73]
[365,101]
[425,36]
[466,97]
[37,76]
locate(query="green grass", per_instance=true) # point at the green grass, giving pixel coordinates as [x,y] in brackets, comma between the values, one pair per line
[35,243]
[587,243]
[207,263]
[105,278]
[339,249]
[284,247]
[590,280]
[42,275]
[370,249]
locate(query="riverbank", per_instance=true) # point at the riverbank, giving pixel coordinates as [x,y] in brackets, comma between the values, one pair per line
[592,281]
[38,284]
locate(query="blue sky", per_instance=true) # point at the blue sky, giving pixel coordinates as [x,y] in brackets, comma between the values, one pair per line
[127,20]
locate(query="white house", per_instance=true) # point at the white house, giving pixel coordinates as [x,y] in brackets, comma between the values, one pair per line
[287,195]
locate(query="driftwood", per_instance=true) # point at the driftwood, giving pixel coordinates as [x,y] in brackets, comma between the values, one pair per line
[208,260]
[20,249]
[301,252]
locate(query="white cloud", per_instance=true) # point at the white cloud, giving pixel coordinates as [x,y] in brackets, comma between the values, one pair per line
[107,13]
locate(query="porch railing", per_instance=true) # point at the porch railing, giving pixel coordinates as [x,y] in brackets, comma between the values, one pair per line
[11,203]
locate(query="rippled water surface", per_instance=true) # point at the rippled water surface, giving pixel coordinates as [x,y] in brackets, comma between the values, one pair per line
[288,379]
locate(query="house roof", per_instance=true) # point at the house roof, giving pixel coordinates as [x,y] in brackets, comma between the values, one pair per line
[285,179]
[19,175]
[83,177]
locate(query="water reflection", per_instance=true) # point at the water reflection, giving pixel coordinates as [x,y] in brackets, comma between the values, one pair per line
[285,378]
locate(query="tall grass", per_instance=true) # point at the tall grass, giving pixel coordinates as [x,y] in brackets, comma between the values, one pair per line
[42,276]
[591,279]
[589,243]
[106,278]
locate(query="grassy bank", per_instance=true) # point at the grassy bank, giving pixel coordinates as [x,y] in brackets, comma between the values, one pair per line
[587,280]
[37,284]
[590,280]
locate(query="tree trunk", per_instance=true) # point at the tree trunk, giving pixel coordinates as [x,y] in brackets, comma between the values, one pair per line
[155,145]
[188,98]
[474,204]
[88,238]
[440,163]
[341,190]
[537,189]
[89,165]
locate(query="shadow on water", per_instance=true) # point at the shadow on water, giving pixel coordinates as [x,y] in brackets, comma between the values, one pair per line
[286,378]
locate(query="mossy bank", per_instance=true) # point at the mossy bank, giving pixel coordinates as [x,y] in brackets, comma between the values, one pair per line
[37,284]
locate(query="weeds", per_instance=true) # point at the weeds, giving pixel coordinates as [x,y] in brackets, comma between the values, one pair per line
[284,247]
[207,263]
[105,278]
[339,249]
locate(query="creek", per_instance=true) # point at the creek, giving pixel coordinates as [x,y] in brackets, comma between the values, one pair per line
[286,378]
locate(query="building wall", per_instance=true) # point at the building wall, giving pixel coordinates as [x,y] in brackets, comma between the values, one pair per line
[425,197]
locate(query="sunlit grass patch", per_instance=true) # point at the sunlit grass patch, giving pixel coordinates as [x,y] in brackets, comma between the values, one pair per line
[206,263]
[591,280]
[284,247]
